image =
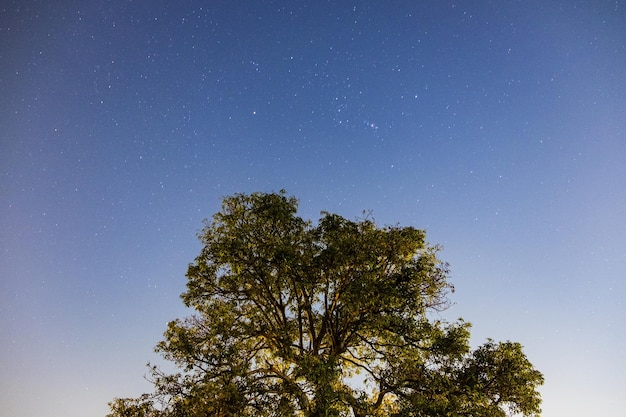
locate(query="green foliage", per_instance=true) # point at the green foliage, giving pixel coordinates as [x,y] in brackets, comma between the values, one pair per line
[296,319]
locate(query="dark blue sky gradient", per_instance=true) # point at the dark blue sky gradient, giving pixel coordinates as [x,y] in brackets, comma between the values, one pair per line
[497,126]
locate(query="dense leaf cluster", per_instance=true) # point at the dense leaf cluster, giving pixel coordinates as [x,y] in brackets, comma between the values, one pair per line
[296,319]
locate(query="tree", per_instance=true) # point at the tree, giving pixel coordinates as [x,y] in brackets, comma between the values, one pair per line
[332,319]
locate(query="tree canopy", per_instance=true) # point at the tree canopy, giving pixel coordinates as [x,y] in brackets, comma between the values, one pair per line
[330,319]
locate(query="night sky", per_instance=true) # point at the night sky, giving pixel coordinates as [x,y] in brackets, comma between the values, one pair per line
[497,126]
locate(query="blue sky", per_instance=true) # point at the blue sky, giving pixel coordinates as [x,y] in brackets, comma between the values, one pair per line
[496,126]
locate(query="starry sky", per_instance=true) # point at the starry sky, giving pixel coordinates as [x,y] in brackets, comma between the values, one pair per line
[497,126]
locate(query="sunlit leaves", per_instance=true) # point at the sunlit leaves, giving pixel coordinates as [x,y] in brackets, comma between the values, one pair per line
[332,319]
